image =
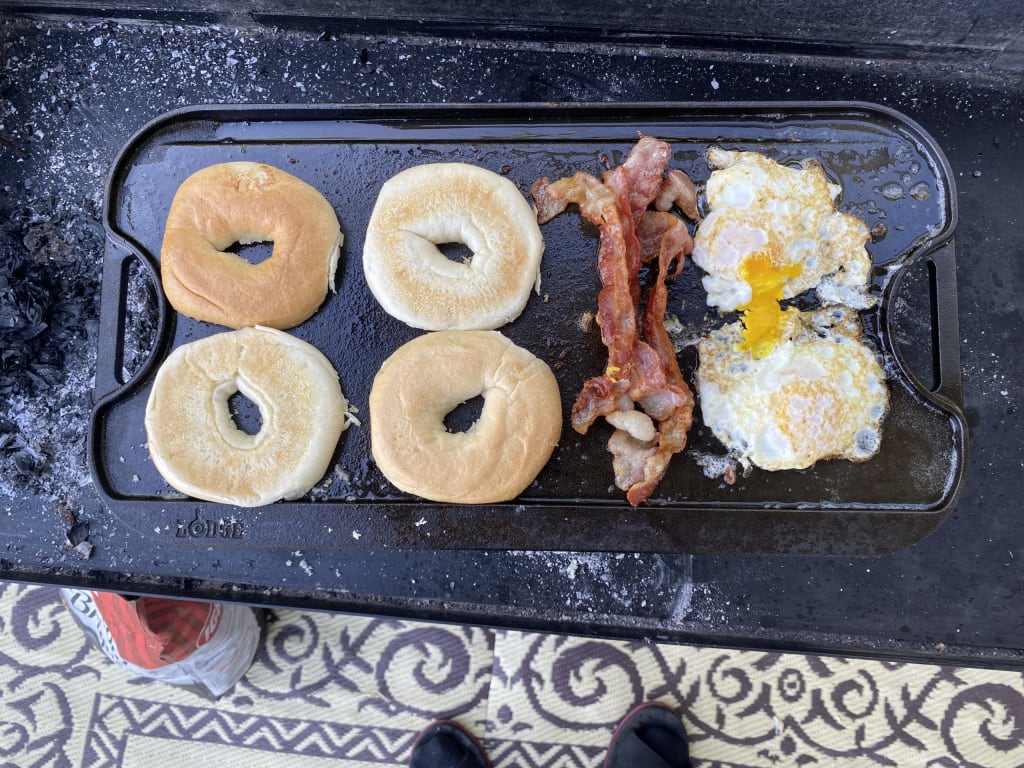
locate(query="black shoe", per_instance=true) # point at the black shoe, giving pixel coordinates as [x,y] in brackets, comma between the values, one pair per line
[651,736]
[447,745]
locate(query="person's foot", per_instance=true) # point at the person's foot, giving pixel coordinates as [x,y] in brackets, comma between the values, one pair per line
[651,736]
[447,745]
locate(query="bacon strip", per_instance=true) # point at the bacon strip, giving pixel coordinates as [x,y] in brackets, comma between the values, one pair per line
[674,407]
[619,259]
[642,367]
[679,191]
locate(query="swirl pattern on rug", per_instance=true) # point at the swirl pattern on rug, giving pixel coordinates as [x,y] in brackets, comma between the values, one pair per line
[360,689]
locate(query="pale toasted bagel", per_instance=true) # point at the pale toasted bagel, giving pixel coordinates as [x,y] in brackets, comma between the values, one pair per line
[244,202]
[501,454]
[196,445]
[430,205]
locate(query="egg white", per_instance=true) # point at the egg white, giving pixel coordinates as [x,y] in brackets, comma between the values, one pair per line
[756,206]
[821,393]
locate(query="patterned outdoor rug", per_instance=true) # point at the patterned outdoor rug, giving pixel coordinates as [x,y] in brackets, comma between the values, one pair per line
[339,691]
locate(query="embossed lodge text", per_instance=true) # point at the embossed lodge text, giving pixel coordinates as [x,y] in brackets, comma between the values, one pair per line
[209,529]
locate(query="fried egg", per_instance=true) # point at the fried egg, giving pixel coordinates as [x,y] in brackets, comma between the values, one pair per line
[820,393]
[773,232]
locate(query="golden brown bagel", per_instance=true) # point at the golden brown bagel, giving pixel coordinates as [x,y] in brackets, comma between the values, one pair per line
[243,202]
[500,454]
[429,205]
[195,443]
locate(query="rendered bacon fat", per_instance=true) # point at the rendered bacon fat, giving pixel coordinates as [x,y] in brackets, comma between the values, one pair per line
[642,369]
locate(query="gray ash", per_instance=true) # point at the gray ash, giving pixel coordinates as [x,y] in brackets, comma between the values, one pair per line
[48,288]
[49,280]
[20,459]
[140,317]
[24,302]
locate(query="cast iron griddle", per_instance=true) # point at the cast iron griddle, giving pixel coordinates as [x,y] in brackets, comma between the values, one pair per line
[893,175]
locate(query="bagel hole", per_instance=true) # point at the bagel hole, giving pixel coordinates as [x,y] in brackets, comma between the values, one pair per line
[245,413]
[457,252]
[254,253]
[463,416]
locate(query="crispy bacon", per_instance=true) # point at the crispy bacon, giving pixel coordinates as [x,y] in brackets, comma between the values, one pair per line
[673,407]
[619,259]
[642,367]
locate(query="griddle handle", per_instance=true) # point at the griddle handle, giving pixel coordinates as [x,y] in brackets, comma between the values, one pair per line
[947,324]
[110,374]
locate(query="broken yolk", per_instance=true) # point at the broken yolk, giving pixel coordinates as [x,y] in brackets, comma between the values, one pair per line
[763,318]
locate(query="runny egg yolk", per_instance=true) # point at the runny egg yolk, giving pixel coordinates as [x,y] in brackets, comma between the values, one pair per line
[763,317]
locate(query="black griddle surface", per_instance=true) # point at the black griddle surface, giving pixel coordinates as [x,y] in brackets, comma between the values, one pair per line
[836,507]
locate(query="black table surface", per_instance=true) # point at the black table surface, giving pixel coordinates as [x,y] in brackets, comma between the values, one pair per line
[73,93]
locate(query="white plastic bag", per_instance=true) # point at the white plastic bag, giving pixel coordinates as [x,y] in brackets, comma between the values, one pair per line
[206,646]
